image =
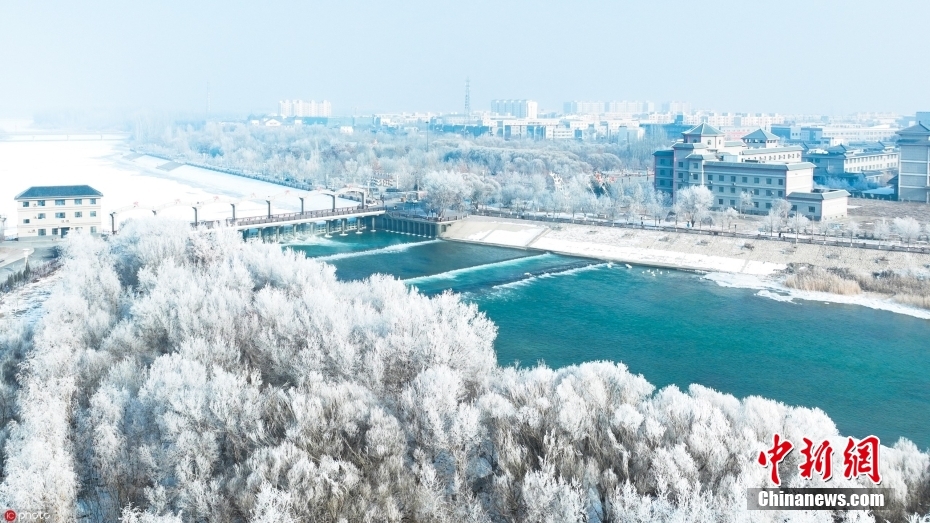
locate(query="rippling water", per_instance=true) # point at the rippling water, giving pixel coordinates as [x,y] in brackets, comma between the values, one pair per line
[869,370]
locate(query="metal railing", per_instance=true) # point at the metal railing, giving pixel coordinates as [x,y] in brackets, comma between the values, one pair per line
[858,243]
[288,217]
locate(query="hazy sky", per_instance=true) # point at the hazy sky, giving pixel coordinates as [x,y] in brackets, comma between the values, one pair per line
[414,55]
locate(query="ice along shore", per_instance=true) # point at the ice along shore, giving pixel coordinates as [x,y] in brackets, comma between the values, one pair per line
[728,261]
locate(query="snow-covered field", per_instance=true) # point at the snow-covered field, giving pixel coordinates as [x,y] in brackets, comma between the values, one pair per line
[139,183]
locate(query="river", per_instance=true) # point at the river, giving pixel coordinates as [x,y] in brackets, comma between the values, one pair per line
[867,369]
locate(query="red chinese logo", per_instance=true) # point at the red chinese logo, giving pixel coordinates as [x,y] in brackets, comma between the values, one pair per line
[820,460]
[859,459]
[862,459]
[775,455]
[9,515]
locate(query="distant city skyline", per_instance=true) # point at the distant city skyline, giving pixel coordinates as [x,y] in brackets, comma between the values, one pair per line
[416,56]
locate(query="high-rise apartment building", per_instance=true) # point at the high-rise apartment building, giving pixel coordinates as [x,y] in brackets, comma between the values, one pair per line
[302,109]
[676,107]
[516,108]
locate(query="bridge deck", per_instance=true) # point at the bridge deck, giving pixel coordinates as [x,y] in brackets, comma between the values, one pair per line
[258,222]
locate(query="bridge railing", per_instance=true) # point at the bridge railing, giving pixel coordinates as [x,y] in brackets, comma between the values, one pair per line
[292,216]
[414,216]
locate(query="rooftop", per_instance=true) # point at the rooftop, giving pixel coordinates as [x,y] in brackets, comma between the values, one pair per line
[59,191]
[703,130]
[920,129]
[818,195]
[761,134]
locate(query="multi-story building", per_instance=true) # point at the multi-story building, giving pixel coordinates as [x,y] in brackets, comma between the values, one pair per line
[875,162]
[516,108]
[57,210]
[302,109]
[914,164]
[676,107]
[577,107]
[843,134]
[758,164]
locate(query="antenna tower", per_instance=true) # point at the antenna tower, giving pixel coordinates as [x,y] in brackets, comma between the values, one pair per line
[467,99]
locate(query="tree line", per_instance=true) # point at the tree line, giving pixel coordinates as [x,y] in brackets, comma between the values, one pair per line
[182,375]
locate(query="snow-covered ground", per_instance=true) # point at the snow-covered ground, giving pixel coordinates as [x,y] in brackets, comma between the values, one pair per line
[772,289]
[139,183]
[724,259]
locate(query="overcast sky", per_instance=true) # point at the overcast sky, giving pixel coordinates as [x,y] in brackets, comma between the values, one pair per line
[414,55]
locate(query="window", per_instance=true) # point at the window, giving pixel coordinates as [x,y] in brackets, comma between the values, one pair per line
[41,203]
[755,204]
[78,214]
[781,182]
[41,216]
[78,201]
[745,179]
[681,164]
[93,201]
[794,207]
[694,165]
[25,204]
[768,181]
[768,205]
[755,180]
[25,220]
[768,193]
[710,177]
[720,201]
[732,202]
[755,191]
[93,214]
[721,189]
[811,209]
[59,215]
[54,232]
[781,193]
[59,202]
[694,176]
[680,175]
[41,232]
[733,178]
[93,229]
[733,190]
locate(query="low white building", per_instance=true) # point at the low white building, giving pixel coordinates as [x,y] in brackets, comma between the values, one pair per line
[54,211]
[820,204]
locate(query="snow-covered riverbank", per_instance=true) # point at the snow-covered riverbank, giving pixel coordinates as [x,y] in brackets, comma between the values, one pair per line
[732,262]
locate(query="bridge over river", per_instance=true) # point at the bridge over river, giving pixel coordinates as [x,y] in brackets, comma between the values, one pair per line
[339,220]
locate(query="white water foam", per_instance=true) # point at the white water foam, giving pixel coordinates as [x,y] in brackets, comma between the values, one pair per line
[390,249]
[453,274]
[546,275]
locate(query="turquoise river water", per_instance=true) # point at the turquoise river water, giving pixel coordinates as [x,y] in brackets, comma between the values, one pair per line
[869,370]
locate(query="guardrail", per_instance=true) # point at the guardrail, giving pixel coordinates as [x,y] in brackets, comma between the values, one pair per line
[858,243]
[413,216]
[287,217]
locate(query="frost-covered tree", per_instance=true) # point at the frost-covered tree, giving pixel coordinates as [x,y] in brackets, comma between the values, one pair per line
[907,228]
[186,375]
[694,201]
[881,230]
